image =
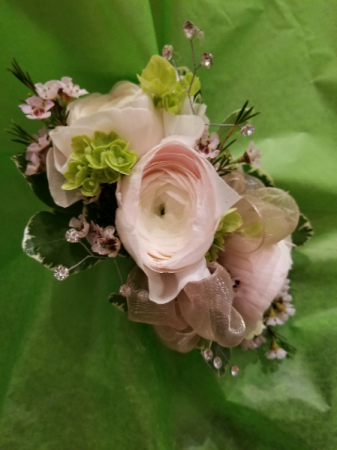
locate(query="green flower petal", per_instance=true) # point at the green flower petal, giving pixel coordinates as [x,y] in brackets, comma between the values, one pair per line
[90,187]
[158,78]
[120,160]
[75,175]
[229,223]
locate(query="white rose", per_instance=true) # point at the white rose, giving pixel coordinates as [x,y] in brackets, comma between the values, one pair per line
[169,209]
[261,274]
[128,112]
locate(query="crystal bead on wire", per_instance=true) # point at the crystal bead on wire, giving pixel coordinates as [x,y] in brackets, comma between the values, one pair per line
[61,273]
[217,362]
[234,371]
[72,236]
[247,130]
[124,290]
[206,60]
[208,354]
[189,29]
[167,52]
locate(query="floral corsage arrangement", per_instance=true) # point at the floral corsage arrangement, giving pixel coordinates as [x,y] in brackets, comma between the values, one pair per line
[139,173]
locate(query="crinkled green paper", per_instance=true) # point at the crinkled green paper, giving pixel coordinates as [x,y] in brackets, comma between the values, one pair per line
[75,374]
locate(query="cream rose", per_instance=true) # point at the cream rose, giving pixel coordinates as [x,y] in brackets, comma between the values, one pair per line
[261,275]
[169,209]
[127,111]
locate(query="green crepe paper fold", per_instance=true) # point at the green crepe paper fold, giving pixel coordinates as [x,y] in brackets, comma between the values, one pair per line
[75,373]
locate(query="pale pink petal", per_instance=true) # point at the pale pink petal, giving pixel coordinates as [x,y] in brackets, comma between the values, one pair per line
[261,273]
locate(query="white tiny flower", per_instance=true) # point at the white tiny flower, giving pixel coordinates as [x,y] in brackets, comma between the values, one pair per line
[247,344]
[290,310]
[252,155]
[259,340]
[278,353]
[283,317]
[272,321]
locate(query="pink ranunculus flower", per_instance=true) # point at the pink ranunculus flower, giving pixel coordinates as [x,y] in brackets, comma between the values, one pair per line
[261,275]
[37,108]
[169,209]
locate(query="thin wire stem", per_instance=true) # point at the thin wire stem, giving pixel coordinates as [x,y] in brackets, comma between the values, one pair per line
[183,85]
[89,256]
[178,74]
[119,272]
[220,124]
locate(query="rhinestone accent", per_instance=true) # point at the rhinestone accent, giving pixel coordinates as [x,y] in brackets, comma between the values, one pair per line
[247,130]
[189,29]
[125,290]
[217,362]
[61,273]
[234,371]
[143,295]
[206,60]
[72,236]
[167,52]
[208,354]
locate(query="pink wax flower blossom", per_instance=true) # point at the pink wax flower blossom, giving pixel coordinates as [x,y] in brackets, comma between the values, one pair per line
[207,143]
[273,321]
[105,243]
[252,344]
[49,90]
[70,89]
[81,225]
[36,153]
[276,352]
[37,108]
[252,155]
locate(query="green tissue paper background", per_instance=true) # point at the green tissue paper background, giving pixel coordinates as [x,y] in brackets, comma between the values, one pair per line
[75,374]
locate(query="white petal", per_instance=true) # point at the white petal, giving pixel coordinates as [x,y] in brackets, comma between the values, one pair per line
[164,287]
[56,180]
[186,129]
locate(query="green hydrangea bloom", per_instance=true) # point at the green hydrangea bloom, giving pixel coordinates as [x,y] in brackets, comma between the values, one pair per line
[229,223]
[75,175]
[159,80]
[96,161]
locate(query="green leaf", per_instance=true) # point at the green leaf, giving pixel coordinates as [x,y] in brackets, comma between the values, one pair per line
[259,174]
[118,301]
[40,186]
[303,231]
[44,240]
